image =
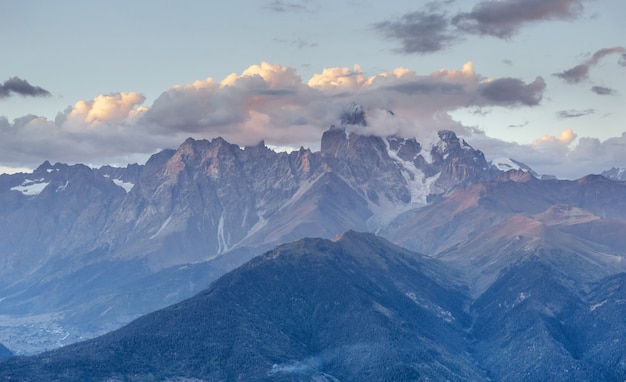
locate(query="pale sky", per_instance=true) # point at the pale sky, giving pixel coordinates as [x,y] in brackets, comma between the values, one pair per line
[541,81]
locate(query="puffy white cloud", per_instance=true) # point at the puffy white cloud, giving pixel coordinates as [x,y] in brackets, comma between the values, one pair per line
[105,129]
[339,79]
[566,155]
[551,142]
[103,110]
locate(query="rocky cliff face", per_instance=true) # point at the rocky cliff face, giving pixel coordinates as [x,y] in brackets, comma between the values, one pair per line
[212,197]
[207,202]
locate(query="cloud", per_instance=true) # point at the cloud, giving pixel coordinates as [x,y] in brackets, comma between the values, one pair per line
[298,43]
[513,92]
[266,102]
[519,125]
[566,155]
[601,90]
[504,18]
[574,113]
[16,85]
[555,143]
[430,30]
[287,6]
[581,72]
[105,129]
[419,32]
[338,78]
[103,110]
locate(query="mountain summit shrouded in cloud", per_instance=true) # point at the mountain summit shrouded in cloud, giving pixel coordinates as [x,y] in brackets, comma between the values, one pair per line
[272,103]
[265,102]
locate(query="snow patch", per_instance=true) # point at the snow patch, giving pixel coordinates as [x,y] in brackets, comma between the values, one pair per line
[127,186]
[255,228]
[505,164]
[427,145]
[165,223]
[63,187]
[596,306]
[418,184]
[464,145]
[439,311]
[523,296]
[222,245]
[31,187]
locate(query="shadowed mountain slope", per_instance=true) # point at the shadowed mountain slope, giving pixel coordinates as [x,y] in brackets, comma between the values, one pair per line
[360,308]
[356,308]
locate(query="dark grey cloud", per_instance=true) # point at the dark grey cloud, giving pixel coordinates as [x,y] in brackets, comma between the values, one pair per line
[601,90]
[519,125]
[16,85]
[273,92]
[297,43]
[434,6]
[432,30]
[513,91]
[581,72]
[426,87]
[574,75]
[504,18]
[574,113]
[419,32]
[286,6]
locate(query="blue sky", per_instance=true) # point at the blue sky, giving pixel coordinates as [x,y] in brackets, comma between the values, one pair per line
[541,81]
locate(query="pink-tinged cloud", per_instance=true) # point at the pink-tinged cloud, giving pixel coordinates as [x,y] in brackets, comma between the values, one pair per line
[550,142]
[103,110]
[581,72]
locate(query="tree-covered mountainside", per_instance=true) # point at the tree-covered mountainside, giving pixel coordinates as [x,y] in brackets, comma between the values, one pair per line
[360,308]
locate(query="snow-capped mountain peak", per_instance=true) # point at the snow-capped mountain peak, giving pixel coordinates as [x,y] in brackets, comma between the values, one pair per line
[615,173]
[506,164]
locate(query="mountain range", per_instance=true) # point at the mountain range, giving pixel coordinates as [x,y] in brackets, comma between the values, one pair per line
[615,173]
[86,250]
[360,308]
[494,272]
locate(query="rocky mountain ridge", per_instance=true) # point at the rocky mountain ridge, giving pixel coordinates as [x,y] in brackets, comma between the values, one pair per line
[207,205]
[85,250]
[615,173]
